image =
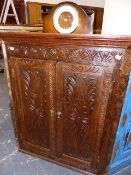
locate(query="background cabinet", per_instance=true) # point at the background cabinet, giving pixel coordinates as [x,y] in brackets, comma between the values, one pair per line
[34,12]
[121,156]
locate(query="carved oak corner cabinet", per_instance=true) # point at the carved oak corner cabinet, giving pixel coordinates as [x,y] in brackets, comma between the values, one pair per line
[67,94]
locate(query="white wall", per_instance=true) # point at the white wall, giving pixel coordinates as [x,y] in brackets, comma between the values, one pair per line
[117,17]
[95,3]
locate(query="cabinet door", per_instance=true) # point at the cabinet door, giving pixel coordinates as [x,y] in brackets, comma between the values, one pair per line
[33,86]
[83,93]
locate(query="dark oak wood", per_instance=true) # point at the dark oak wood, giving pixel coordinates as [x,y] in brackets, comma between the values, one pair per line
[67,94]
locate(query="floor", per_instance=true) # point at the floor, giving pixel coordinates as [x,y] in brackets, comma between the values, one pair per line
[13,162]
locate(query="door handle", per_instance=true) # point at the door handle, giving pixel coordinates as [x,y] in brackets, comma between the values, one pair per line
[59,114]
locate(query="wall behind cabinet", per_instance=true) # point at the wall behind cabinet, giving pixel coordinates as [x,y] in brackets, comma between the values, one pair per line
[117,17]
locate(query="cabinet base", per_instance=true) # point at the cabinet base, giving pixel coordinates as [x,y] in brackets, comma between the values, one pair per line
[54,161]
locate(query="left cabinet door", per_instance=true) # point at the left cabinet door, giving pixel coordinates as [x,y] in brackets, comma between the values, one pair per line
[33,94]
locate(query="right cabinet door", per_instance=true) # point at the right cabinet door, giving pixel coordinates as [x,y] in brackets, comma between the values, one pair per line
[82,94]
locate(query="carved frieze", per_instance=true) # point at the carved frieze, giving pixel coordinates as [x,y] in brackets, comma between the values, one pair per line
[98,56]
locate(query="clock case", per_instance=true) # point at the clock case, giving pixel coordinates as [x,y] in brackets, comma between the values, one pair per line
[84,21]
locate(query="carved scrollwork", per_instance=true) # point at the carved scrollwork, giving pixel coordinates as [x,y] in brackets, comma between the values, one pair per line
[35,101]
[31,93]
[80,93]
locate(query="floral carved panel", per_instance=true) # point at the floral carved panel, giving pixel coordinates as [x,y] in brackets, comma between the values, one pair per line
[84,104]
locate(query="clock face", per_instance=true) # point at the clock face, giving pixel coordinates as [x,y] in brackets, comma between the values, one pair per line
[65,19]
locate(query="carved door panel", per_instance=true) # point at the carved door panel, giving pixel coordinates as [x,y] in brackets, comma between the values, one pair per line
[33,87]
[83,93]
